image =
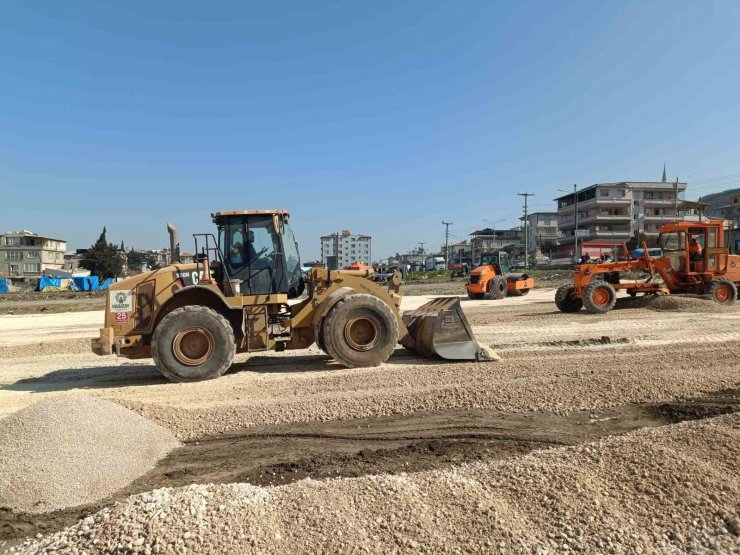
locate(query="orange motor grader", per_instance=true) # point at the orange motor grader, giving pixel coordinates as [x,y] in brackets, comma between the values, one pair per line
[707,269]
[493,280]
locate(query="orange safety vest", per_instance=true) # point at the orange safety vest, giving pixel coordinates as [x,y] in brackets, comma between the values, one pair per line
[694,248]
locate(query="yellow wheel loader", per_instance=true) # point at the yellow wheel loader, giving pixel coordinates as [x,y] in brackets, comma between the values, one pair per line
[244,293]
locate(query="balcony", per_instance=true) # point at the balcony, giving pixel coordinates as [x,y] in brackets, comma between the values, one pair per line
[604,218]
[606,201]
[658,202]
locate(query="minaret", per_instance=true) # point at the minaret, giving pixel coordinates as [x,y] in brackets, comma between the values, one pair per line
[665,179]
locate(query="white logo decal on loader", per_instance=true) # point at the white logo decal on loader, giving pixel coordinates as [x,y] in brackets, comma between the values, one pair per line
[121,301]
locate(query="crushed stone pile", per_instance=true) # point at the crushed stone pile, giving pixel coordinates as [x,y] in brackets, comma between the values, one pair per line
[72,449]
[673,490]
[675,303]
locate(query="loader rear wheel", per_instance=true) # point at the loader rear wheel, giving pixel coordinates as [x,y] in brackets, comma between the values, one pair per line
[599,297]
[519,292]
[496,288]
[193,343]
[566,299]
[360,330]
[722,291]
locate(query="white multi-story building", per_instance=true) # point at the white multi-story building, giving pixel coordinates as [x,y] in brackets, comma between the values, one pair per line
[543,232]
[339,250]
[614,212]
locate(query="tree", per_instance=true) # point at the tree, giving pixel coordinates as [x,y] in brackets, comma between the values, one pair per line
[151,261]
[136,259]
[103,259]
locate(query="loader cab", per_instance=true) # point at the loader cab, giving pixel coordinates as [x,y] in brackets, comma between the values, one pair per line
[260,250]
[498,259]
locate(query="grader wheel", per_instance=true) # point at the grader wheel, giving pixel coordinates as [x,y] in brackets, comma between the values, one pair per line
[599,297]
[722,291]
[566,300]
[360,330]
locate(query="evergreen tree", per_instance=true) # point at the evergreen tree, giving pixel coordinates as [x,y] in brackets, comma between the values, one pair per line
[136,259]
[103,259]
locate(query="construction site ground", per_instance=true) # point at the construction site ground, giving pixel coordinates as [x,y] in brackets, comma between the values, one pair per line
[564,380]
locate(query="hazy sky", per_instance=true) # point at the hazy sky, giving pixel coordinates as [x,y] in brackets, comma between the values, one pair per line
[384,118]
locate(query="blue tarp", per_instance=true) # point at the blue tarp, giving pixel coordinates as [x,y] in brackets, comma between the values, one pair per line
[90,283]
[4,285]
[45,282]
[107,283]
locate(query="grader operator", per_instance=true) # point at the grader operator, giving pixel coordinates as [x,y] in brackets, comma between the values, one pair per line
[242,295]
[684,267]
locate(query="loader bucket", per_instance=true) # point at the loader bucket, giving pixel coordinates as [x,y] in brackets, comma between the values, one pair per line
[440,329]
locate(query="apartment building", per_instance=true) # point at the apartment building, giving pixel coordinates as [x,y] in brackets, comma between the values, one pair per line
[614,212]
[487,240]
[543,233]
[339,250]
[26,255]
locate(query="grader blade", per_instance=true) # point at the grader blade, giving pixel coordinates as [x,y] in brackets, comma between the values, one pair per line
[440,329]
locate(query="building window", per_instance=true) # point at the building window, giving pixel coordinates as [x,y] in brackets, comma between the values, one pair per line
[34,268]
[636,203]
[12,241]
[32,254]
[14,255]
[604,192]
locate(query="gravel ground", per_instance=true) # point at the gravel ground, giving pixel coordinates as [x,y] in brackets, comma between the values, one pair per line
[678,303]
[657,490]
[73,450]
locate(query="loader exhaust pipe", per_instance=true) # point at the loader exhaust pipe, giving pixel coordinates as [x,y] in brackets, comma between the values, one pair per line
[174,243]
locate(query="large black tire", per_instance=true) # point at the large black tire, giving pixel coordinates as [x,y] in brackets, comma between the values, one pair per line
[519,292]
[193,343]
[566,300]
[475,296]
[722,291]
[599,297]
[496,288]
[360,330]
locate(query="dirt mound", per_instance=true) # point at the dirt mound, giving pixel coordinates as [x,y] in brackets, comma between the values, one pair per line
[674,303]
[664,489]
[71,450]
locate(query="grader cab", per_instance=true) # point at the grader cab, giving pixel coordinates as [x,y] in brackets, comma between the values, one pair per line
[694,260]
[245,293]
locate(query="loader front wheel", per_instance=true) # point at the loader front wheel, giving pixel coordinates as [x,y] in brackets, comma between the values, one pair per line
[193,343]
[360,330]
[497,288]
[722,291]
[599,297]
[566,299]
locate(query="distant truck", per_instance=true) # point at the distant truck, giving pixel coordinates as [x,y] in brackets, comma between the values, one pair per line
[434,263]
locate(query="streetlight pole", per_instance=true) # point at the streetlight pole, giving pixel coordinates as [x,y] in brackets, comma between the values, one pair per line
[447,243]
[575,194]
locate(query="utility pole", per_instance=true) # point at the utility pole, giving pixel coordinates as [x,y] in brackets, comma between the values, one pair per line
[421,248]
[575,229]
[447,243]
[526,229]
